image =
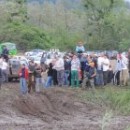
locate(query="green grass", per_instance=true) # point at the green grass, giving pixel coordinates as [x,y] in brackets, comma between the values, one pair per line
[111,98]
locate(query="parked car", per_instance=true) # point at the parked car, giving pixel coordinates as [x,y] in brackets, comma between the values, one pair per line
[20,58]
[14,67]
[34,52]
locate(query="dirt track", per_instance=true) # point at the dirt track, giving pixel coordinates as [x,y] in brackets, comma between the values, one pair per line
[54,109]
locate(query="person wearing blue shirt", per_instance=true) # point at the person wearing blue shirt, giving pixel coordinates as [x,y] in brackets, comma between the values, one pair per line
[80,48]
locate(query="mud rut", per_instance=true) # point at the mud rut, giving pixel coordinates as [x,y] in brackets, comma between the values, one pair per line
[53,109]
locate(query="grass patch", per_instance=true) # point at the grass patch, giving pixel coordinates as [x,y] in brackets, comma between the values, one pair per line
[112,98]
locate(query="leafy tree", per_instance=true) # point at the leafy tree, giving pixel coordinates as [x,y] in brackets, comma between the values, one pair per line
[104,23]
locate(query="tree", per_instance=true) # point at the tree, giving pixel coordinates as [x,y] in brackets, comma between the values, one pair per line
[103,23]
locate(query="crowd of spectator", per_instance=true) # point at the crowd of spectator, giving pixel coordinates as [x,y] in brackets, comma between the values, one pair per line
[74,70]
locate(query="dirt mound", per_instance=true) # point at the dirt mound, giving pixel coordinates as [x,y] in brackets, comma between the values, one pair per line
[53,109]
[50,105]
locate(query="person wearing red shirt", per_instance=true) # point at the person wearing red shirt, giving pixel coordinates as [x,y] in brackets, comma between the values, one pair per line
[23,74]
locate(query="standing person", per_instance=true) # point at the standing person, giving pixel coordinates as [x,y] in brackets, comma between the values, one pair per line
[83,62]
[124,74]
[49,76]
[117,70]
[5,71]
[38,78]
[110,74]
[23,73]
[100,81]
[90,76]
[75,67]
[5,53]
[80,48]
[55,81]
[31,82]
[43,59]
[106,64]
[59,66]
[67,66]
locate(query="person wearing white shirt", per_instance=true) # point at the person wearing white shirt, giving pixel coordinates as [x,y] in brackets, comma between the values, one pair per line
[59,67]
[117,70]
[105,66]
[5,71]
[100,70]
[75,67]
[124,74]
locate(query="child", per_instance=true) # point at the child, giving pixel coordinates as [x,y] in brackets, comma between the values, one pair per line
[23,74]
[50,75]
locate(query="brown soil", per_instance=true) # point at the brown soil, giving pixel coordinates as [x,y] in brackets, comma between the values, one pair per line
[53,109]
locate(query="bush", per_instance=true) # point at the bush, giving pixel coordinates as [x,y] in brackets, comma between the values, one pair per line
[115,99]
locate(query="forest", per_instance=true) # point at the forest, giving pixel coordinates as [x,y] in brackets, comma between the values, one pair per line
[99,24]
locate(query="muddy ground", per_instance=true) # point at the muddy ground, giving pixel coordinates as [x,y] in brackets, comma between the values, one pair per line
[53,109]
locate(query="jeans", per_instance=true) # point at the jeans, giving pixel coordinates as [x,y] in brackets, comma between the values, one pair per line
[100,77]
[60,77]
[49,81]
[23,85]
[74,78]
[66,77]
[38,84]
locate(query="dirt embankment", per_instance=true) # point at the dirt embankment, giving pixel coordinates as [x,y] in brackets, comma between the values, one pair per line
[53,109]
